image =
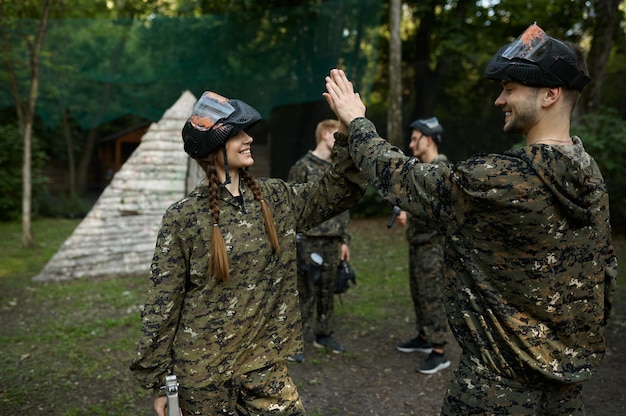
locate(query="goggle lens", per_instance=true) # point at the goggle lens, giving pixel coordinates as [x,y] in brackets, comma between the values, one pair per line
[210,108]
[530,46]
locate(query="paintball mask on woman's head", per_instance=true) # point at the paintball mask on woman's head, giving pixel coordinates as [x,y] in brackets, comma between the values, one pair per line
[429,127]
[537,60]
[214,120]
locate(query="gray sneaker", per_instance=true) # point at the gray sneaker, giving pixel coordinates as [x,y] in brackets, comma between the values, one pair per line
[298,358]
[433,363]
[328,343]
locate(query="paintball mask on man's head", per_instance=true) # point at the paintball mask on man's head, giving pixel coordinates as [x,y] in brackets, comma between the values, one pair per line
[429,127]
[537,60]
[214,120]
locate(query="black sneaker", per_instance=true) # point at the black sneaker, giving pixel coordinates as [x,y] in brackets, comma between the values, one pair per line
[433,363]
[328,343]
[416,344]
[298,358]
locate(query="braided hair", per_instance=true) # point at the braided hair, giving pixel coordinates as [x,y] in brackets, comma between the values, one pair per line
[270,227]
[218,258]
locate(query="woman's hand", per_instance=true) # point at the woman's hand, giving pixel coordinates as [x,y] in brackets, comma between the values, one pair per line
[160,403]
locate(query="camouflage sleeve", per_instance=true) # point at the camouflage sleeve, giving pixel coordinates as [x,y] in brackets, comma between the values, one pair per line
[610,279]
[428,191]
[166,290]
[344,220]
[339,188]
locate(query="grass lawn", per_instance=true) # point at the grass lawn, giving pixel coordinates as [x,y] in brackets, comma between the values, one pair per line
[65,346]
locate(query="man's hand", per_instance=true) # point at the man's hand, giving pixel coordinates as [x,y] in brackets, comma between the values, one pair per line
[341,98]
[401,218]
[345,252]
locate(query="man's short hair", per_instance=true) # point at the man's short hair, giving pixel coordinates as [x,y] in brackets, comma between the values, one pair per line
[324,125]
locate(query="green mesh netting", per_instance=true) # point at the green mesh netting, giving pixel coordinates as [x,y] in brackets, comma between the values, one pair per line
[99,70]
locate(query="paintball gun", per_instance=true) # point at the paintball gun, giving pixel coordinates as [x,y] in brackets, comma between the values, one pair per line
[345,276]
[394,214]
[315,269]
[171,391]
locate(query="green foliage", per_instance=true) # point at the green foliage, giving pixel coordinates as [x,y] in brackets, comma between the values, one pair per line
[604,136]
[100,69]
[60,206]
[371,205]
[11,162]
[105,59]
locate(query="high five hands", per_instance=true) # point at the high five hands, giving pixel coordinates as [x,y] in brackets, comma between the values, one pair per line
[341,98]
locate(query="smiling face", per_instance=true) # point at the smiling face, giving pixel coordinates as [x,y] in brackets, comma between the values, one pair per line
[238,151]
[520,104]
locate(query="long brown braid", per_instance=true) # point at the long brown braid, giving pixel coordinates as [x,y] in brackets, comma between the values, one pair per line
[218,259]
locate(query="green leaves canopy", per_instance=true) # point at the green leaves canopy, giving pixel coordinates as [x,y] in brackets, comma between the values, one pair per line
[101,69]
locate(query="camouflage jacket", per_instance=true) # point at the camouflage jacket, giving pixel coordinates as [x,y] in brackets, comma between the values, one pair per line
[311,168]
[205,332]
[530,266]
[418,232]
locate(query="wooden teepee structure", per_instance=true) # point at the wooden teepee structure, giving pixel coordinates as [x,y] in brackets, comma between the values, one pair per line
[117,236]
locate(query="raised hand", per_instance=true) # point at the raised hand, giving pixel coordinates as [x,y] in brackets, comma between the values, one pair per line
[341,98]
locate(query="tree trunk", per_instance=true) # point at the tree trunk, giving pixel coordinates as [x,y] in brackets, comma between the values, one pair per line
[425,86]
[27,233]
[82,173]
[606,22]
[69,143]
[394,96]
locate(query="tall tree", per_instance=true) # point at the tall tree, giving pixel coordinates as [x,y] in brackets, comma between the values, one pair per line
[394,97]
[26,110]
[606,21]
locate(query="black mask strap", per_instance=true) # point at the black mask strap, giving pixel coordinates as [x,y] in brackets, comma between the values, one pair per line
[227,181]
[568,73]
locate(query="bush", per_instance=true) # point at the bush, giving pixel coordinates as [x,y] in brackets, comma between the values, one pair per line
[11,161]
[371,205]
[604,137]
[47,205]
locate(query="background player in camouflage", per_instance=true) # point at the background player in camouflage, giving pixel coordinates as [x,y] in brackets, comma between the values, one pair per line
[530,266]
[426,262]
[222,310]
[330,240]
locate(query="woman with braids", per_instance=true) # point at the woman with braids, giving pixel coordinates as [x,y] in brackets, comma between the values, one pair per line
[222,308]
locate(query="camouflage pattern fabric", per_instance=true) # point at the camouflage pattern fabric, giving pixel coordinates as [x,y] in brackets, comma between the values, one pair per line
[311,168]
[476,391]
[530,266]
[267,391]
[208,333]
[426,285]
[324,239]
[426,276]
[318,318]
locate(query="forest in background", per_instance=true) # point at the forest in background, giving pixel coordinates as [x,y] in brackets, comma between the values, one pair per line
[253,50]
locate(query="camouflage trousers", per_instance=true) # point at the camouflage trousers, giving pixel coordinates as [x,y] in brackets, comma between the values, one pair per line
[320,298]
[426,284]
[264,392]
[475,391]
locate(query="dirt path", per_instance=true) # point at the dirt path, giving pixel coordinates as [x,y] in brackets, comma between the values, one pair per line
[375,379]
